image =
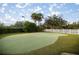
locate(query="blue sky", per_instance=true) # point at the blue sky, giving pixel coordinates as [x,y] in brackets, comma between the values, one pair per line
[12,12]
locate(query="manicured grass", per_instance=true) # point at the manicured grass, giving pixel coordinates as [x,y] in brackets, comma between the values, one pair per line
[8,34]
[3,35]
[26,42]
[69,44]
[39,43]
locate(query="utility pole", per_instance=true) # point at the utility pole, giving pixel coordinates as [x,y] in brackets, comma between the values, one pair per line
[23,17]
[23,20]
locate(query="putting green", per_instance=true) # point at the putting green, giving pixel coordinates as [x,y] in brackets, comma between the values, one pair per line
[24,43]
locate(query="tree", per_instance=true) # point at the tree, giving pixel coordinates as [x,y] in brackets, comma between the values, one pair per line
[1,25]
[74,25]
[17,27]
[19,24]
[48,23]
[37,17]
[55,22]
[1,28]
[30,27]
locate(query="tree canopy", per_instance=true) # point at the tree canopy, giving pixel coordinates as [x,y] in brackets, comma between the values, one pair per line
[51,22]
[55,22]
[37,17]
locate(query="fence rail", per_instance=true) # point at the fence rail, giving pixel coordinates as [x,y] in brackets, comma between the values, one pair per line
[67,31]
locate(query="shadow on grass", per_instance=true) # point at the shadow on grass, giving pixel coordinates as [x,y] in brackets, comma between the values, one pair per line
[69,44]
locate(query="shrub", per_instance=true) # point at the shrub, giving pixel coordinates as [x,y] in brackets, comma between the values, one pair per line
[30,27]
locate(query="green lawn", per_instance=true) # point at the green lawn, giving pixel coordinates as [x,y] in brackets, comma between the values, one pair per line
[24,43]
[68,44]
[39,43]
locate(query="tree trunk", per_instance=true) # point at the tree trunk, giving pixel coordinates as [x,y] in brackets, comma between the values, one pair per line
[35,23]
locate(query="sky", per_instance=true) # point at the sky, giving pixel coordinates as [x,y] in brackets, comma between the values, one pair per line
[12,12]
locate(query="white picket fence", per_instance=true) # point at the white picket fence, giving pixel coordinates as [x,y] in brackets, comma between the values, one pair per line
[67,31]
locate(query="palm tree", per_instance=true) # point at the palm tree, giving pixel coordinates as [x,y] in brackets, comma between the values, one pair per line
[37,17]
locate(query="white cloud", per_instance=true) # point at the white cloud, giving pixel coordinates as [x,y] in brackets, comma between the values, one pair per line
[0,20]
[69,11]
[76,3]
[59,6]
[62,4]
[42,12]
[2,10]
[13,19]
[30,11]
[37,9]
[66,12]
[42,22]
[21,14]
[50,8]
[21,5]
[54,5]
[5,4]
[27,15]
[12,12]
[56,13]
[78,10]
[8,20]
[7,16]
[29,20]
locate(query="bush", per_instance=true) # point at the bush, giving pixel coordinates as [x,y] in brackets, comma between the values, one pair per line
[30,27]
[40,28]
[10,30]
[21,27]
